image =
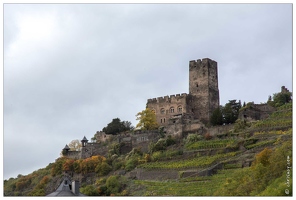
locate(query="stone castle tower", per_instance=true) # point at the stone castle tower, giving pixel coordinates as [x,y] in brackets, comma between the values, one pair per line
[203,88]
[202,100]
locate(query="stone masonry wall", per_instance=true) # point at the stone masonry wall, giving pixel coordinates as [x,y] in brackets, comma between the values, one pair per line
[167,106]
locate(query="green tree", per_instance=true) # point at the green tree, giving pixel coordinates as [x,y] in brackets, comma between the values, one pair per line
[230,111]
[147,120]
[117,126]
[217,117]
[282,98]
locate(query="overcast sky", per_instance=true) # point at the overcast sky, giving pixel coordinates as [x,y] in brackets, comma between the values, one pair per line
[69,69]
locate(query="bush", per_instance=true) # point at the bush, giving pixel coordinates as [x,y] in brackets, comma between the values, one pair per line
[103,169]
[117,164]
[131,163]
[208,136]
[90,190]
[113,184]
[191,138]
[240,125]
[158,146]
[170,141]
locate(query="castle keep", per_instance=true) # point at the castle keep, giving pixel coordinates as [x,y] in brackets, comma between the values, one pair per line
[202,100]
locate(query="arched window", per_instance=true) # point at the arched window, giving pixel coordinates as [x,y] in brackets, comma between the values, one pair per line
[180,109]
[162,111]
[172,110]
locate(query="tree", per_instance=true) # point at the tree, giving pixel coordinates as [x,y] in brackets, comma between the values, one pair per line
[231,111]
[147,120]
[217,117]
[282,98]
[75,145]
[117,126]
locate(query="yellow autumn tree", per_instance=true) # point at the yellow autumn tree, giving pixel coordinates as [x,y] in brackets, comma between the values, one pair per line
[147,120]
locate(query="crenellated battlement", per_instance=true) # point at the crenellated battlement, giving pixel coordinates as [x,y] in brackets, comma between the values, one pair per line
[201,62]
[167,98]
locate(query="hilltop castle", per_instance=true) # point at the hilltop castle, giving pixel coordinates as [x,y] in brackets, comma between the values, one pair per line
[202,100]
[179,114]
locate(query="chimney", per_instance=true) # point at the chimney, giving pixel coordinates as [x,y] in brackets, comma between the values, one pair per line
[75,187]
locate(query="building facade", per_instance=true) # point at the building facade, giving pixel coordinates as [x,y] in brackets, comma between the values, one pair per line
[202,100]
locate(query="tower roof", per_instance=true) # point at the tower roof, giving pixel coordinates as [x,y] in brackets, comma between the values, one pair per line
[66,147]
[84,139]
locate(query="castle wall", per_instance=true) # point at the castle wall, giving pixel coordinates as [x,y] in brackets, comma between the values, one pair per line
[73,154]
[143,139]
[216,130]
[102,136]
[180,126]
[142,174]
[140,139]
[92,149]
[168,106]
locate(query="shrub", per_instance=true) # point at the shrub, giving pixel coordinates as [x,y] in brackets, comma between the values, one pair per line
[208,136]
[170,141]
[89,190]
[117,164]
[113,184]
[131,163]
[191,138]
[158,146]
[103,169]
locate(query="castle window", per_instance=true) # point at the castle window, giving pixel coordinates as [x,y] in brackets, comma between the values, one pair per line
[163,120]
[172,110]
[180,109]
[160,120]
[162,111]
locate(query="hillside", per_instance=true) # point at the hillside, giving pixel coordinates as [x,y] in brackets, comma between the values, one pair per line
[250,159]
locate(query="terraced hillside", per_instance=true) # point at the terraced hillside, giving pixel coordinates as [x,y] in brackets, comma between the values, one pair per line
[229,159]
[253,159]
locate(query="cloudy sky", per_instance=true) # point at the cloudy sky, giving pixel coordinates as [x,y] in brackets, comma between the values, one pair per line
[69,69]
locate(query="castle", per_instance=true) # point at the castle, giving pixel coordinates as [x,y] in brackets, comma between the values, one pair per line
[202,100]
[178,114]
